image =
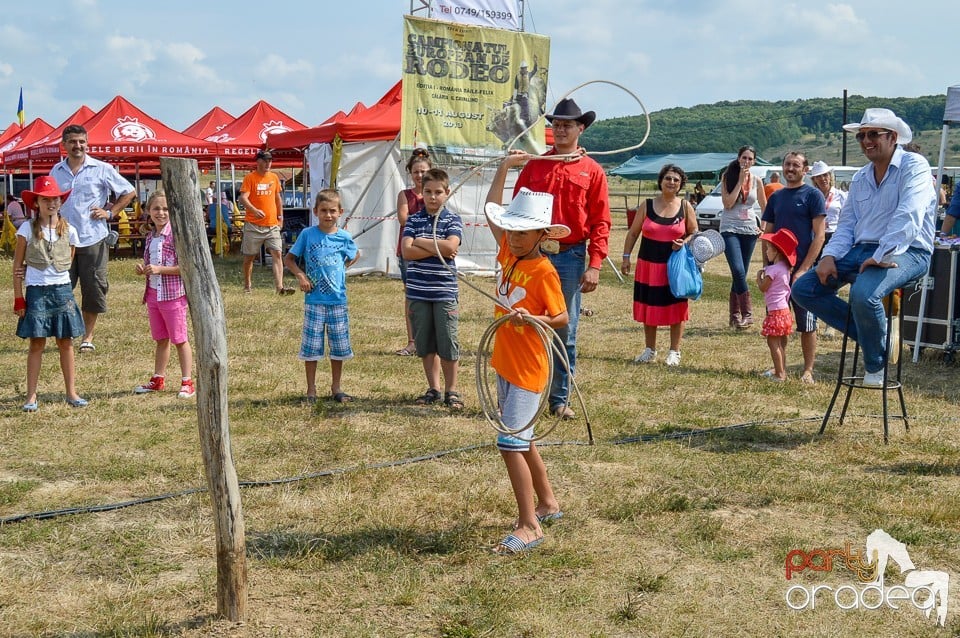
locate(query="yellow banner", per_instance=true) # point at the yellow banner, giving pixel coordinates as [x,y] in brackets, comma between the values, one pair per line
[470,89]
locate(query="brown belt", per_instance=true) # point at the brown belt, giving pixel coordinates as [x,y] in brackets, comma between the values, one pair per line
[566,247]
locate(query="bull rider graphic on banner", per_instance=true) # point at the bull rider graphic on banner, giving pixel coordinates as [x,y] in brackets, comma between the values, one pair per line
[472,89]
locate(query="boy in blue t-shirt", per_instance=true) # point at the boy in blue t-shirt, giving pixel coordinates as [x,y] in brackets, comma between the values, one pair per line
[327,251]
[432,287]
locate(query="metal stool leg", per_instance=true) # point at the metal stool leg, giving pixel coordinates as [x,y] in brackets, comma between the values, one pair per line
[853,381]
[840,382]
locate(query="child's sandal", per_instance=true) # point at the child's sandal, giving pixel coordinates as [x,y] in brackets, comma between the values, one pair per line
[453,400]
[429,397]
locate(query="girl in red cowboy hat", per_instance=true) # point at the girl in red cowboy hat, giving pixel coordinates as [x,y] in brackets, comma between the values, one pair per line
[780,249]
[41,261]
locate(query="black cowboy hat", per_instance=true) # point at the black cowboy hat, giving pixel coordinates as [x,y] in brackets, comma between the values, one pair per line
[567,109]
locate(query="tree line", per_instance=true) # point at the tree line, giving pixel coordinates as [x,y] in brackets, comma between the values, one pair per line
[726,126]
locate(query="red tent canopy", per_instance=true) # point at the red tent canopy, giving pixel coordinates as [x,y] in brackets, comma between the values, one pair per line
[81,115]
[29,134]
[209,124]
[8,133]
[241,139]
[381,121]
[22,154]
[120,132]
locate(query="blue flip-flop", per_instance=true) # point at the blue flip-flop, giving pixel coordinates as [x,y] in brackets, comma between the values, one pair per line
[31,407]
[514,545]
[78,403]
[550,518]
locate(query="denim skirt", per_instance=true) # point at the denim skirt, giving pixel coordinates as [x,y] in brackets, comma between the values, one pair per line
[52,311]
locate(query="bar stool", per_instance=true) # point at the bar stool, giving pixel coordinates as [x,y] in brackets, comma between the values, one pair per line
[855,380]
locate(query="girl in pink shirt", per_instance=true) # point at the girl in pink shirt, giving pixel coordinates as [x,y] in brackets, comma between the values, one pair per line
[780,249]
[166,300]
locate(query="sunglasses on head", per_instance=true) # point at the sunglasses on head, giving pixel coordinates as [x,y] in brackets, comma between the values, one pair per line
[870,135]
[419,152]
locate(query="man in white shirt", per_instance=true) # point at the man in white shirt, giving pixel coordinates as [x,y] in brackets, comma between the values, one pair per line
[91,183]
[883,240]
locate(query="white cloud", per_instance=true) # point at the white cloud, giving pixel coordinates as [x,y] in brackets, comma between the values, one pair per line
[831,23]
[276,71]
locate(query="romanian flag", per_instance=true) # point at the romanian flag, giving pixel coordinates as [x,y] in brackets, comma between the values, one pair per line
[20,116]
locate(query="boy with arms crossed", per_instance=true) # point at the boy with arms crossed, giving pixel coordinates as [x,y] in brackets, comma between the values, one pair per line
[432,287]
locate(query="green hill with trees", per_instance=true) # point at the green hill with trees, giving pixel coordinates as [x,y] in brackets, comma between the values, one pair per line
[812,125]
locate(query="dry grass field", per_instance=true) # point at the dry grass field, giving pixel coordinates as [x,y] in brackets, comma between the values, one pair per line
[678,520]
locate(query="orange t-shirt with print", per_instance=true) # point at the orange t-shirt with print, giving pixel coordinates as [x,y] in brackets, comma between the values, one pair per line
[518,354]
[262,193]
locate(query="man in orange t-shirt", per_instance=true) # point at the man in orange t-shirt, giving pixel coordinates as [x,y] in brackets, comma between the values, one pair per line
[262,197]
[774,185]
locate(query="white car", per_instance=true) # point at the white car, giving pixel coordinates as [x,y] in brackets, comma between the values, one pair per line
[709,209]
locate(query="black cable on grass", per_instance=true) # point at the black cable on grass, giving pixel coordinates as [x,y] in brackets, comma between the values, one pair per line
[93,509]
[686,434]
[646,438]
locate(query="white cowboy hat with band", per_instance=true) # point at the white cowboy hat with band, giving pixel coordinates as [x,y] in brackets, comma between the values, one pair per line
[528,211]
[886,119]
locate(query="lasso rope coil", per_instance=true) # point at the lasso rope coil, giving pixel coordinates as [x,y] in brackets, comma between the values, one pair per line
[547,335]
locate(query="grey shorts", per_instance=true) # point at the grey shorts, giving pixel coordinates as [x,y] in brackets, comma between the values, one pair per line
[256,236]
[517,408]
[435,325]
[89,268]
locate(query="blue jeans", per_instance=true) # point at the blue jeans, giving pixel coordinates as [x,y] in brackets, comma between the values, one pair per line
[570,265]
[738,249]
[867,291]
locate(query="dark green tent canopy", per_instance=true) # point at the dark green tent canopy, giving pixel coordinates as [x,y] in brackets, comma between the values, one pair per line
[696,165]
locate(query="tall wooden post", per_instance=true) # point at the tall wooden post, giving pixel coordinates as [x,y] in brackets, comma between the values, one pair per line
[182,187]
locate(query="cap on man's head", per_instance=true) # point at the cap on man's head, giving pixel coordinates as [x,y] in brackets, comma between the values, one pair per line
[264,155]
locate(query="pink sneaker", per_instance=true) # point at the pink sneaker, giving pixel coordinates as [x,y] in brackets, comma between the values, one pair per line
[186,389]
[155,384]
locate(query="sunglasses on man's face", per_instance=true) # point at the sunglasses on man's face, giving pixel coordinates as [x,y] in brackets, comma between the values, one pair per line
[870,135]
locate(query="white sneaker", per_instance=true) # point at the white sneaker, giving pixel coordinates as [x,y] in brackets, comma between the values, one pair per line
[673,358]
[873,379]
[647,356]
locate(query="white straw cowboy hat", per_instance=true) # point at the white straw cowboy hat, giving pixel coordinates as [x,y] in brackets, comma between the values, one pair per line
[883,118]
[527,211]
[706,245]
[819,168]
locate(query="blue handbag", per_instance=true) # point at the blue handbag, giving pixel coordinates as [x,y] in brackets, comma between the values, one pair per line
[686,282]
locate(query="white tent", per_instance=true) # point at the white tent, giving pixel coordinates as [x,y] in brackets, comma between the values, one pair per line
[363,148]
[951,117]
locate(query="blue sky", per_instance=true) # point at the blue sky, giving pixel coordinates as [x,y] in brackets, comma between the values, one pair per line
[176,60]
